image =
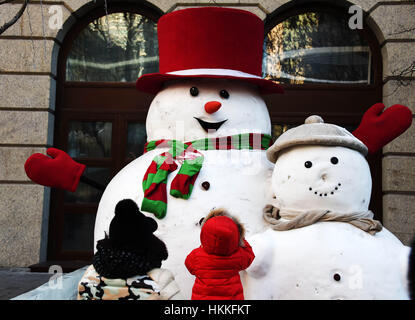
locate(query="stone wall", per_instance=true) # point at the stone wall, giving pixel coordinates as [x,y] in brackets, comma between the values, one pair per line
[28,63]
[27,102]
[396,21]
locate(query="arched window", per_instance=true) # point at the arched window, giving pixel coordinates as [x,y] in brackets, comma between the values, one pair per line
[316,47]
[100,116]
[118,47]
[326,68]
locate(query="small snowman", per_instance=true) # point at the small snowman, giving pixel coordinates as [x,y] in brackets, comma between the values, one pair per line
[322,241]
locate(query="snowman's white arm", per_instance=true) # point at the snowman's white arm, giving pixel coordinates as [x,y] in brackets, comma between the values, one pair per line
[263,247]
[404,261]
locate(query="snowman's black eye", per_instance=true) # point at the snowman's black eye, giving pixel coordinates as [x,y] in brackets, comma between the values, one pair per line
[224,94]
[334,160]
[308,164]
[194,91]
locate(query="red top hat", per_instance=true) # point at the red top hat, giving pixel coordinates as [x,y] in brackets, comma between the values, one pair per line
[209,42]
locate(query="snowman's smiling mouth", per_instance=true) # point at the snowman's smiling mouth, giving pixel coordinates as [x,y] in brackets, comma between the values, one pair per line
[209,126]
[325,194]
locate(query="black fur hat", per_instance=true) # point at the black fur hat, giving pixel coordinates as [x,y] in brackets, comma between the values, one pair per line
[130,226]
[131,248]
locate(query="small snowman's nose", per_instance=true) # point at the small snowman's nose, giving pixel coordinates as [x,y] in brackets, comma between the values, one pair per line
[212,106]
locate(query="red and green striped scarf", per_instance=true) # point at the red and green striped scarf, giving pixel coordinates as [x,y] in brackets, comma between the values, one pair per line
[155,178]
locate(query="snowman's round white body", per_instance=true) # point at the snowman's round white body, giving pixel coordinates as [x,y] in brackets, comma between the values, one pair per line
[325,260]
[237,178]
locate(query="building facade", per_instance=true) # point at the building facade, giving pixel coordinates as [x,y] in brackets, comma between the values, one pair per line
[57,89]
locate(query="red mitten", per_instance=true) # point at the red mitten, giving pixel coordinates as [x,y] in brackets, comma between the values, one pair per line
[378,128]
[59,171]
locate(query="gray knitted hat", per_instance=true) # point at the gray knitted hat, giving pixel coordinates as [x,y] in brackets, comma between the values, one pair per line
[315,132]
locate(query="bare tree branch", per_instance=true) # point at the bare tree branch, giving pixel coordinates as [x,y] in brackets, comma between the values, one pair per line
[403,77]
[7,25]
[401,31]
[5,1]
[409,71]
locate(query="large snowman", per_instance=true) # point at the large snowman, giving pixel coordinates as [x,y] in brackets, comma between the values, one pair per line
[208,130]
[207,93]
[322,242]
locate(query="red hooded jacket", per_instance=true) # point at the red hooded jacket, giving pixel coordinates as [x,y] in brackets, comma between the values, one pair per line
[217,262]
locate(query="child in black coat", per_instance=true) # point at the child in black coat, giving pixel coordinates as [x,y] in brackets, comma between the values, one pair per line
[127,262]
[131,247]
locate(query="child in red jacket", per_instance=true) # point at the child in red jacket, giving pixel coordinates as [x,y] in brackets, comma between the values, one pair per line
[217,262]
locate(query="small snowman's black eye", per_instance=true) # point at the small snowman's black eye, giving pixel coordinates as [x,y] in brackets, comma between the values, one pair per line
[194,91]
[224,94]
[308,164]
[334,160]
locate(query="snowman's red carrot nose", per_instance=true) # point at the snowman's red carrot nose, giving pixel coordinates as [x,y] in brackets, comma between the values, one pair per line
[212,106]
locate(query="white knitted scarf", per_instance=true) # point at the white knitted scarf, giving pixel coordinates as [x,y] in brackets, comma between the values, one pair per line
[287,219]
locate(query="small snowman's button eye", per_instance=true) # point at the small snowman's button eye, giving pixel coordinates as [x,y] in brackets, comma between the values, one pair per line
[194,91]
[224,94]
[308,164]
[334,160]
